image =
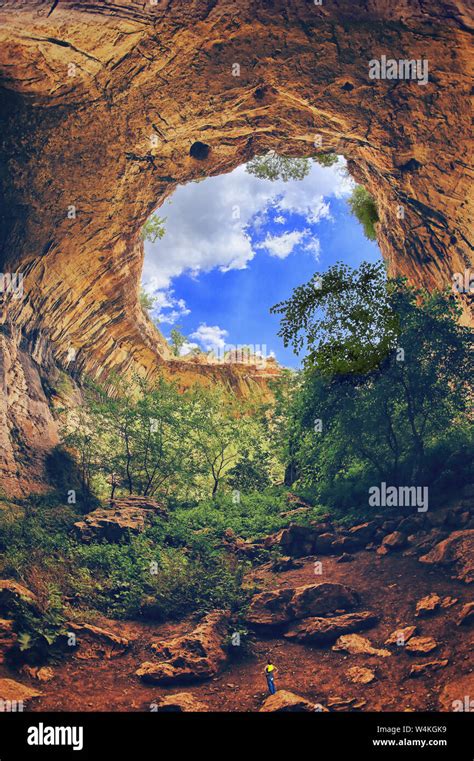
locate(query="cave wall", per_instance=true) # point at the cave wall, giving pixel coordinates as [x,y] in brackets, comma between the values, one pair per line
[101,103]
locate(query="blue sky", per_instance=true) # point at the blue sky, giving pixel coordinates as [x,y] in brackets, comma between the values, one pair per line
[235,245]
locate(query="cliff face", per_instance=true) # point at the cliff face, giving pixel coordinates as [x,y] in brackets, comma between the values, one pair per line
[108,106]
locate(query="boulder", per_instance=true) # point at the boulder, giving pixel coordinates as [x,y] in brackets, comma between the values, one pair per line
[296,541]
[130,515]
[190,657]
[363,532]
[427,605]
[14,696]
[278,607]
[425,669]
[421,645]
[345,558]
[324,544]
[180,702]
[466,615]
[360,675]
[357,645]
[94,642]
[322,631]
[287,702]
[41,673]
[400,636]
[396,540]
[455,552]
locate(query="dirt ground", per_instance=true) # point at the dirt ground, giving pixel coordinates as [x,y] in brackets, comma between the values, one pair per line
[389,585]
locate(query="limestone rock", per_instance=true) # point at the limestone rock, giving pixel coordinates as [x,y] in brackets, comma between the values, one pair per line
[284,701]
[190,657]
[13,691]
[401,635]
[424,669]
[357,645]
[394,541]
[360,675]
[278,607]
[95,642]
[131,515]
[428,605]
[421,645]
[180,702]
[322,631]
[466,615]
[337,703]
[457,553]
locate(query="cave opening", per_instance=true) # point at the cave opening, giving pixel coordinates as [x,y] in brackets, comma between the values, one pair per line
[220,252]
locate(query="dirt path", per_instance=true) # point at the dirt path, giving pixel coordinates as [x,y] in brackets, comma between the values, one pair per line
[390,586]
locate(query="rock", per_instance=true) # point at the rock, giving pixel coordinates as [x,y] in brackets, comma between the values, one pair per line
[457,694]
[424,669]
[357,645]
[180,702]
[345,558]
[287,702]
[401,636]
[285,563]
[421,645]
[190,657]
[455,552]
[364,532]
[16,693]
[42,674]
[345,704]
[427,605]
[94,642]
[466,615]
[360,675]
[278,607]
[296,541]
[448,602]
[131,515]
[12,594]
[323,544]
[321,631]
[394,541]
[8,637]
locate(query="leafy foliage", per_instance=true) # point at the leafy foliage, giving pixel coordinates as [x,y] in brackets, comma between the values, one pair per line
[154,228]
[363,206]
[272,166]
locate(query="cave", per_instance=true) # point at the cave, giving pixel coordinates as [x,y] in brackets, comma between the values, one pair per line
[107,107]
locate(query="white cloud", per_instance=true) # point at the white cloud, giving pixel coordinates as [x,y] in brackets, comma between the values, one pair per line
[207,223]
[280,219]
[211,337]
[167,309]
[282,246]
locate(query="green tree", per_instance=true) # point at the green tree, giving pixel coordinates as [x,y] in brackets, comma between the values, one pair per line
[147,300]
[384,386]
[343,317]
[364,208]
[177,341]
[272,166]
[154,228]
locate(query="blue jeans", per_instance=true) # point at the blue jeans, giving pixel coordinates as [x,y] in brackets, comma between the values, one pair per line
[271,685]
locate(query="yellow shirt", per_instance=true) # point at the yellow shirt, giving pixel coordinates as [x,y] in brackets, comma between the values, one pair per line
[269,668]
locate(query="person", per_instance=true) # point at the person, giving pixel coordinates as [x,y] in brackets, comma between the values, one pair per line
[270,672]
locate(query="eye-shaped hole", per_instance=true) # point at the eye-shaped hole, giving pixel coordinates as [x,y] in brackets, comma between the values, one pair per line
[199,150]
